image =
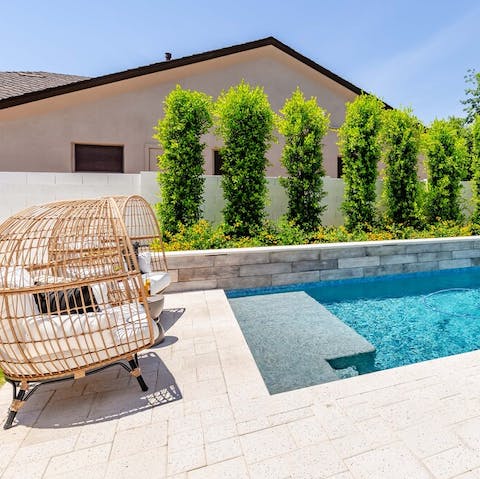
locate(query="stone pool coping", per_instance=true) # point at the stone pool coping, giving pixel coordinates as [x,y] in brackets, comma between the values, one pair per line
[280,265]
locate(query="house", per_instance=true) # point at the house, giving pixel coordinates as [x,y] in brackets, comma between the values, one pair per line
[63,123]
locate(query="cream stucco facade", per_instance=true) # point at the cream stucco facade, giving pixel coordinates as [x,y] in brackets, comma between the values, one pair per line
[39,135]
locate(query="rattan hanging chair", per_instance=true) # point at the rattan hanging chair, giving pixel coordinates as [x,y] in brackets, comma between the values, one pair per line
[72,299]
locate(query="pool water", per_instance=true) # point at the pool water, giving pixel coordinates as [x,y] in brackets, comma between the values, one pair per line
[408,318]
[415,328]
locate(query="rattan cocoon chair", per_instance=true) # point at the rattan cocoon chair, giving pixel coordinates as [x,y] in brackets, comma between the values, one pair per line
[72,299]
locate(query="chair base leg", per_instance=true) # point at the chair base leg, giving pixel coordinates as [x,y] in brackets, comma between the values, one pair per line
[10,418]
[23,386]
[136,372]
[141,382]
[18,401]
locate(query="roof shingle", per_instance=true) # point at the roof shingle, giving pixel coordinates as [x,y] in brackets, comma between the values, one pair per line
[18,83]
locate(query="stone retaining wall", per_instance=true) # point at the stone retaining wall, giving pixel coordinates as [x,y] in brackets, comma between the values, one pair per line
[270,266]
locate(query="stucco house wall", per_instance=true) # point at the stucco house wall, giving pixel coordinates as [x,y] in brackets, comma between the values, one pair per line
[39,136]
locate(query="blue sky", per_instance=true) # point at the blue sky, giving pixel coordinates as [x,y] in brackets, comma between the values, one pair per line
[409,53]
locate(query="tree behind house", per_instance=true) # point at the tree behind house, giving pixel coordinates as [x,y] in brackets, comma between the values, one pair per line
[472,102]
[187,117]
[304,125]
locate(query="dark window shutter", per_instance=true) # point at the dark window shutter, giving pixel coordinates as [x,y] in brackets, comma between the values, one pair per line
[217,162]
[339,167]
[99,158]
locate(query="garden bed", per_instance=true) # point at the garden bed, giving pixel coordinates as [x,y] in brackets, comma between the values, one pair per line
[203,235]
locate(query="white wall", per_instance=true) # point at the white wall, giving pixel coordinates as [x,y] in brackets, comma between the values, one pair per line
[277,203]
[21,190]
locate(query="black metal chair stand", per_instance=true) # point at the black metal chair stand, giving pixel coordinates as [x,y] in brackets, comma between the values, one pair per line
[22,390]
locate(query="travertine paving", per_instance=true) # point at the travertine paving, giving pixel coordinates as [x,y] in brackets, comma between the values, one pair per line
[208,414]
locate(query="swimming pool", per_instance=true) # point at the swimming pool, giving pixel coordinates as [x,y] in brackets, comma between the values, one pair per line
[407,318]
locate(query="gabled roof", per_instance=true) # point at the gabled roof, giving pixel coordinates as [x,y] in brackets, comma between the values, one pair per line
[14,84]
[81,83]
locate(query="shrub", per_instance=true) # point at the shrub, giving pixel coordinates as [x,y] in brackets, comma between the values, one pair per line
[187,117]
[401,142]
[464,131]
[200,235]
[245,122]
[288,232]
[203,235]
[360,150]
[476,168]
[304,125]
[445,154]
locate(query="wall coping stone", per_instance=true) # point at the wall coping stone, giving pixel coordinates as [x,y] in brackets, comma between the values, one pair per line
[271,265]
[353,244]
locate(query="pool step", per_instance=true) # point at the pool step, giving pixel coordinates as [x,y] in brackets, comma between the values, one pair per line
[297,342]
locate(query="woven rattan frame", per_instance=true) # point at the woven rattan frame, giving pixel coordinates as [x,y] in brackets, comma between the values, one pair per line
[70,300]
[143,228]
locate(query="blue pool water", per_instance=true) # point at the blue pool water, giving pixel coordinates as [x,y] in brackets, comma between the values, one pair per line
[408,318]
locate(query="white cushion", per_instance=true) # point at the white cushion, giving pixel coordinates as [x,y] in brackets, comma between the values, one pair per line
[158,282]
[145,262]
[19,304]
[100,293]
[55,343]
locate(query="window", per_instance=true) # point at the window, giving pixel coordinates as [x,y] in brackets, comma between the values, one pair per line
[339,167]
[98,158]
[217,162]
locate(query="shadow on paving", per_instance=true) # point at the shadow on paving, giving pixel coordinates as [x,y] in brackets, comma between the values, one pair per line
[105,396]
[170,316]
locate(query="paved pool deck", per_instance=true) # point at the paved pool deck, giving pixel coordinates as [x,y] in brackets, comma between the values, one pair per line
[208,414]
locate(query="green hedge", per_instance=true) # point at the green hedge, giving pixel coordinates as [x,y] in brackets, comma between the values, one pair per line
[400,136]
[445,153]
[244,121]
[187,118]
[476,167]
[359,142]
[304,125]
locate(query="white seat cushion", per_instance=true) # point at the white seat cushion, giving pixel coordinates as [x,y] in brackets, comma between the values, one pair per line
[57,343]
[158,282]
[16,305]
